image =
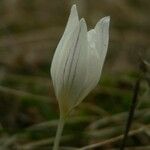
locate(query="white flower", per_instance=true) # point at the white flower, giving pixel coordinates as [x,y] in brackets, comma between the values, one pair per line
[78,60]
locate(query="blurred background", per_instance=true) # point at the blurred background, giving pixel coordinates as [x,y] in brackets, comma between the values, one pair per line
[29,33]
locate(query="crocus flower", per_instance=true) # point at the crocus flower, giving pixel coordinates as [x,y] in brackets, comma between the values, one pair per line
[78,60]
[77,64]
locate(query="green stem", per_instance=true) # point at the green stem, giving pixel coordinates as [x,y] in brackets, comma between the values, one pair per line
[59,133]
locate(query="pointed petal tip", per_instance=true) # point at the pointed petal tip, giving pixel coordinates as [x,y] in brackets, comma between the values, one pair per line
[83,23]
[74,7]
[74,12]
[82,20]
[106,19]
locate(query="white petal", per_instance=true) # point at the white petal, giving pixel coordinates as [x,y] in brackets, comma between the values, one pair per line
[74,69]
[72,24]
[102,38]
[62,60]
[93,72]
[69,73]
[98,44]
[97,49]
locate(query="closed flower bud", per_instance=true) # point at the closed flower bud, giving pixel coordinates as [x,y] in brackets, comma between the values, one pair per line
[78,60]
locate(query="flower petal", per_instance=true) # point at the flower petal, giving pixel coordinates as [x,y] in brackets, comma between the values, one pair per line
[61,61]
[97,49]
[72,24]
[74,69]
[93,68]
[102,38]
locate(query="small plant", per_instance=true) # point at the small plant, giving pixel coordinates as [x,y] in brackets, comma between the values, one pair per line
[144,66]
